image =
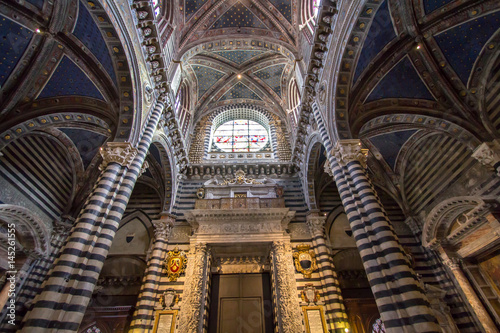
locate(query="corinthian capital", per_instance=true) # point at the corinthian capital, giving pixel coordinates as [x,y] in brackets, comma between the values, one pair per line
[316,224]
[118,152]
[350,150]
[488,154]
[162,228]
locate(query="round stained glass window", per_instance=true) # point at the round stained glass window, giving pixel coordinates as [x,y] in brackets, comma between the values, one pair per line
[241,135]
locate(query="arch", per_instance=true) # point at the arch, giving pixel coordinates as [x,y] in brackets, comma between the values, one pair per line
[313,148]
[24,219]
[441,217]
[293,101]
[168,162]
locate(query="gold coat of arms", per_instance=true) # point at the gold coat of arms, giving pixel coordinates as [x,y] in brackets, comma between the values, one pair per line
[305,260]
[175,264]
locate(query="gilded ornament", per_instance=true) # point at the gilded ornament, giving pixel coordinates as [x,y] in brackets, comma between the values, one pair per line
[200,193]
[305,260]
[175,263]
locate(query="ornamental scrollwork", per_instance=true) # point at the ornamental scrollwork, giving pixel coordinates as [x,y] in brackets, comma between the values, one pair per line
[305,260]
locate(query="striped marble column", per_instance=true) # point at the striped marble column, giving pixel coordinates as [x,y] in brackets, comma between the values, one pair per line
[68,289]
[335,310]
[142,321]
[193,312]
[33,282]
[401,301]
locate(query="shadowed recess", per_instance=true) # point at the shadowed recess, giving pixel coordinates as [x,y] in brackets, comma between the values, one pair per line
[272,77]
[14,40]
[238,16]
[390,144]
[380,34]
[431,5]
[239,90]
[87,143]
[402,81]
[461,45]
[192,6]
[67,80]
[238,57]
[284,7]
[88,33]
[156,153]
[206,77]
[36,3]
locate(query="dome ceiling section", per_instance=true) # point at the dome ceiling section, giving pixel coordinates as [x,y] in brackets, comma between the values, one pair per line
[80,67]
[238,76]
[272,20]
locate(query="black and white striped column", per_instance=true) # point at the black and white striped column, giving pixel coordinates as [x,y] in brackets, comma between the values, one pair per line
[401,301]
[335,310]
[194,310]
[142,321]
[38,273]
[68,289]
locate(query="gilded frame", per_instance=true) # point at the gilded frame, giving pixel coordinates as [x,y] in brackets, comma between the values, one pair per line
[159,314]
[306,317]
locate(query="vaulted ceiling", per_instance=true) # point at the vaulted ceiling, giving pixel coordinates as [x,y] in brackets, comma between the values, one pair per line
[235,51]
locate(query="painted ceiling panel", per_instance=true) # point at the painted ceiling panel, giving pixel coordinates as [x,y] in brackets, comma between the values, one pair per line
[390,144]
[380,34]
[272,77]
[285,8]
[431,5]
[238,57]
[87,31]
[461,45]
[207,77]
[238,16]
[36,3]
[14,40]
[239,90]
[401,82]
[68,79]
[87,142]
[192,6]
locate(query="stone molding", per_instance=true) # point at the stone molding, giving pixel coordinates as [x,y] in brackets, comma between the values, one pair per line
[117,152]
[346,151]
[488,154]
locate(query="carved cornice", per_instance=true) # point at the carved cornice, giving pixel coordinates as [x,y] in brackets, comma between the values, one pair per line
[117,152]
[347,151]
[488,154]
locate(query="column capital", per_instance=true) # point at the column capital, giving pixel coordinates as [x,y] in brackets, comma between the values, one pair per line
[488,153]
[281,247]
[162,229]
[346,151]
[60,229]
[316,223]
[117,152]
[414,225]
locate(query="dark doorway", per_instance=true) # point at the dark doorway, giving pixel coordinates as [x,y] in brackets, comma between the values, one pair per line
[241,303]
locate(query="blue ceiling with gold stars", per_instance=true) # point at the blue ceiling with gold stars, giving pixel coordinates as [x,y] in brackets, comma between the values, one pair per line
[192,6]
[67,80]
[87,31]
[207,77]
[272,77]
[238,16]
[402,81]
[36,3]
[13,42]
[87,142]
[432,5]
[239,90]
[461,45]
[390,144]
[380,34]
[285,8]
[238,57]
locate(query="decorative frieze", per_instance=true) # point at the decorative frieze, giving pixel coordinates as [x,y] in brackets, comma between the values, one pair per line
[117,152]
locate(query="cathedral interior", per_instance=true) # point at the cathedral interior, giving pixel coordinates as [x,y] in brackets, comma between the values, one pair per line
[181,166]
